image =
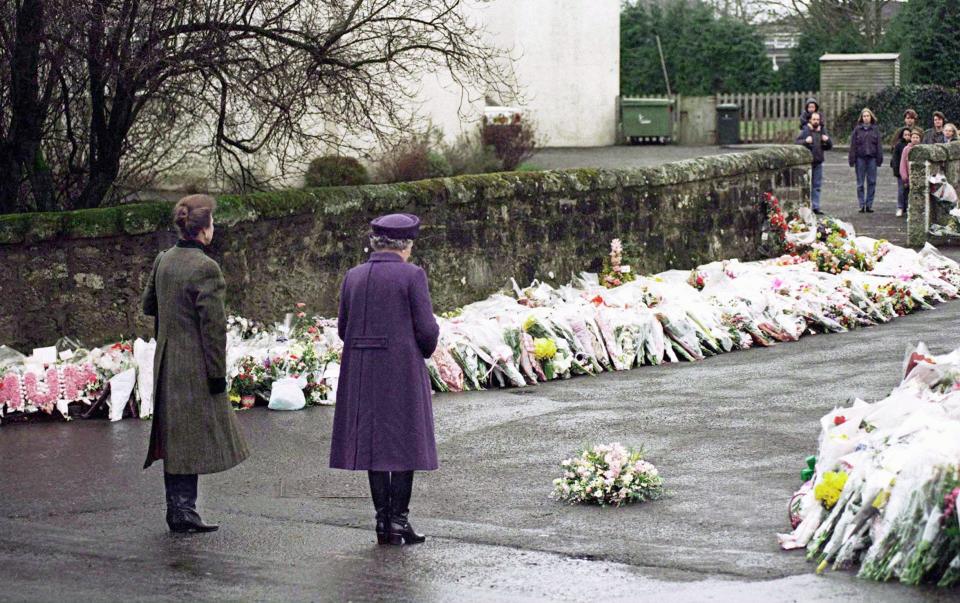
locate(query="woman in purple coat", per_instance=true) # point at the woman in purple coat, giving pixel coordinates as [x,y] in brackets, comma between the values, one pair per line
[383,422]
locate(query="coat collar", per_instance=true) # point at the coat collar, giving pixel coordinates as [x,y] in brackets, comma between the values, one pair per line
[190,244]
[385,256]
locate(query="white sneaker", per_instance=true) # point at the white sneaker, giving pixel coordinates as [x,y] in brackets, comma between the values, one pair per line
[899,212]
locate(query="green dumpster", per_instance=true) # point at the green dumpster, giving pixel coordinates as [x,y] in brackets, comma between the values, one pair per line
[728,124]
[646,119]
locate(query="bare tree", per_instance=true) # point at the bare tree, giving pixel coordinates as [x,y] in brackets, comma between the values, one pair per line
[830,15]
[127,88]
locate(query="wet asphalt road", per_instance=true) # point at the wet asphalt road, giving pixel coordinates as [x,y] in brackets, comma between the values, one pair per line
[79,519]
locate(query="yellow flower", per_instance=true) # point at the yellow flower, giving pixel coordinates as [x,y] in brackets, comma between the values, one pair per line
[544,349]
[881,499]
[529,322]
[234,397]
[829,489]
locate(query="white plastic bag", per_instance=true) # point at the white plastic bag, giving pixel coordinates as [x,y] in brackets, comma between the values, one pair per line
[287,394]
[121,386]
[143,353]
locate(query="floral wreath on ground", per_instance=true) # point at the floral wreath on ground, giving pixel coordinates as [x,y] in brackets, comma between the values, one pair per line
[608,474]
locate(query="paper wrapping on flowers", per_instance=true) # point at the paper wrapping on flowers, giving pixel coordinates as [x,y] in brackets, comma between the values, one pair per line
[900,459]
[121,388]
[838,282]
[143,353]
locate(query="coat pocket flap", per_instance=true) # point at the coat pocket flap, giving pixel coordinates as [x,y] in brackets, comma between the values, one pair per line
[368,342]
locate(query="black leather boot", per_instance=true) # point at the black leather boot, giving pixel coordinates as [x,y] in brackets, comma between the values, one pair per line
[401,487]
[182,516]
[380,492]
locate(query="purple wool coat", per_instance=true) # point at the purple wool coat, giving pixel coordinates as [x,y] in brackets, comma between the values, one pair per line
[383,420]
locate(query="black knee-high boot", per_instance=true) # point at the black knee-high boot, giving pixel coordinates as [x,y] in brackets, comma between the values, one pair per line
[401,487]
[182,513]
[380,492]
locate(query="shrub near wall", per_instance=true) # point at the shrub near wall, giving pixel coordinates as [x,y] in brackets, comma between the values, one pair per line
[890,104]
[81,273]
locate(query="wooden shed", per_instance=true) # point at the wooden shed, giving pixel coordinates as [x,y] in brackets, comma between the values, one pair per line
[859,73]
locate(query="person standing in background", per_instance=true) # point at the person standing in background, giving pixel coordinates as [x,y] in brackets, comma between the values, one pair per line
[949,133]
[904,138]
[916,135]
[866,153]
[935,134]
[814,137]
[909,119]
[809,108]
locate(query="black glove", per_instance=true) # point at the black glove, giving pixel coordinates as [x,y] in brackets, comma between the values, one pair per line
[217,385]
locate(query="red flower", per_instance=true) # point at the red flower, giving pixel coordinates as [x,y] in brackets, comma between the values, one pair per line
[597,300]
[839,420]
[311,330]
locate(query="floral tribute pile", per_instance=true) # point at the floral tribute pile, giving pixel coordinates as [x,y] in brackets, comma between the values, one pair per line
[55,378]
[300,347]
[884,490]
[608,474]
[830,281]
[822,278]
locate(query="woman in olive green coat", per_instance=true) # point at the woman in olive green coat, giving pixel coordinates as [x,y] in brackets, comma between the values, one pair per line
[194,428]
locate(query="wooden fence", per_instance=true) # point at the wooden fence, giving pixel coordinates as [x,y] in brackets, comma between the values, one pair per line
[775,116]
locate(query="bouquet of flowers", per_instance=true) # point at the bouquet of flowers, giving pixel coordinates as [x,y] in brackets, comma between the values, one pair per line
[247,379]
[886,479]
[244,328]
[615,272]
[113,359]
[608,475]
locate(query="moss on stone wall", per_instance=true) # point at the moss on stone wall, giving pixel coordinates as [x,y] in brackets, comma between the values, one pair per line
[81,273]
[234,209]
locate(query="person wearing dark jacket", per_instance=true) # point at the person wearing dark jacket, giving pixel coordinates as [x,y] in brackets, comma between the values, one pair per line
[383,420]
[809,108]
[814,136]
[866,153]
[194,428]
[935,134]
[903,139]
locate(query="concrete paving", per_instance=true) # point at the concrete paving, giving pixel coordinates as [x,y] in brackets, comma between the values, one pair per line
[80,520]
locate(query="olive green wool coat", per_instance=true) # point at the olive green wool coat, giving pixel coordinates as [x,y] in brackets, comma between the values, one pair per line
[193,430]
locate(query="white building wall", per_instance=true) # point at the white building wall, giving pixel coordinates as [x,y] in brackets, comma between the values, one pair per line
[567,67]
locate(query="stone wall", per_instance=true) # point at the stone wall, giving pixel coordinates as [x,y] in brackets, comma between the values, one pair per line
[81,273]
[925,161]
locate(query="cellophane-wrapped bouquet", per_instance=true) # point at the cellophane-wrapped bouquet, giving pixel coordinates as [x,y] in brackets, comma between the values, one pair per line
[826,279]
[884,492]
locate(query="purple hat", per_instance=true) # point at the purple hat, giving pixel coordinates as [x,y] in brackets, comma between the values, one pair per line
[397,226]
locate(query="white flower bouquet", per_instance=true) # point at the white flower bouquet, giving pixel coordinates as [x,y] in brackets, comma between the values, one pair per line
[886,480]
[608,474]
